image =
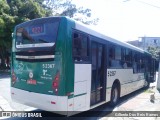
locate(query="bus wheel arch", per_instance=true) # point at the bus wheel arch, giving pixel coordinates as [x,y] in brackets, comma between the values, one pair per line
[115,93]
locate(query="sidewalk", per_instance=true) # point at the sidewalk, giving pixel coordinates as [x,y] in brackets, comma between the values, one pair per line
[140,104]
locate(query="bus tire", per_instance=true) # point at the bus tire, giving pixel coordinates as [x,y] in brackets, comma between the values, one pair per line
[115,94]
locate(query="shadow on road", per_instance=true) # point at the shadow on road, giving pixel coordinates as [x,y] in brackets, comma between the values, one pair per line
[130,96]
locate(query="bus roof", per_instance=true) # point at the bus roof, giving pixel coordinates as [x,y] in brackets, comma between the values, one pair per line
[82,27]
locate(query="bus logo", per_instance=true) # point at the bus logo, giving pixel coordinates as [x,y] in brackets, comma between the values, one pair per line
[30,75]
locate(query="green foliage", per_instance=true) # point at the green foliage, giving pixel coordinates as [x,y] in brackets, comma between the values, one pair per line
[2,26]
[13,12]
[67,8]
[29,9]
[4,8]
[155,51]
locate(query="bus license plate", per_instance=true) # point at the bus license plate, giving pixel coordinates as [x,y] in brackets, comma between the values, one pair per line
[33,82]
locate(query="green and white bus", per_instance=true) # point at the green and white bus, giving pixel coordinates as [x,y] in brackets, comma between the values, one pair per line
[61,65]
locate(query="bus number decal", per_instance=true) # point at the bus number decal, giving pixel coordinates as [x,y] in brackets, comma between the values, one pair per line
[111,73]
[44,72]
[48,66]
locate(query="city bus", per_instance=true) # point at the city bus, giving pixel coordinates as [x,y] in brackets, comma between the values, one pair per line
[63,66]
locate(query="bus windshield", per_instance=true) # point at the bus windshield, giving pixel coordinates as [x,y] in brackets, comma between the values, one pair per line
[37,34]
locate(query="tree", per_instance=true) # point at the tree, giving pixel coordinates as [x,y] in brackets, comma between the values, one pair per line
[13,12]
[155,51]
[4,11]
[67,8]
[27,9]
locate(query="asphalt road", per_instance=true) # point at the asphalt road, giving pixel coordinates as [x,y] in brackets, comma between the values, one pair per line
[5,93]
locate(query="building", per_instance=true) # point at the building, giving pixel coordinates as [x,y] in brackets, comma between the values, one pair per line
[150,42]
[136,43]
[145,42]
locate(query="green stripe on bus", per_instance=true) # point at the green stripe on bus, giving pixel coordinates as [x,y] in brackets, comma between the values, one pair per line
[126,83]
[108,87]
[71,96]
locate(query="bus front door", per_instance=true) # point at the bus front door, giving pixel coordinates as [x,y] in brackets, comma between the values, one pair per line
[98,71]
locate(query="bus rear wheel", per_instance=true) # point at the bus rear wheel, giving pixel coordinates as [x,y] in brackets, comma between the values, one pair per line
[115,94]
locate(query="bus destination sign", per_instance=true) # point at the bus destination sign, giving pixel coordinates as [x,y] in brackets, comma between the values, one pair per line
[36,29]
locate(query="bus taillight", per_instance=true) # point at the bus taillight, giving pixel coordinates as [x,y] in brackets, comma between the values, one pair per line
[56,82]
[13,78]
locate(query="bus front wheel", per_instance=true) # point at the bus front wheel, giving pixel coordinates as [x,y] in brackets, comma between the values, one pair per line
[115,94]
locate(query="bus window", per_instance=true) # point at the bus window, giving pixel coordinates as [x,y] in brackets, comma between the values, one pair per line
[115,57]
[80,47]
[38,34]
[118,53]
[128,57]
[134,56]
[138,63]
[111,55]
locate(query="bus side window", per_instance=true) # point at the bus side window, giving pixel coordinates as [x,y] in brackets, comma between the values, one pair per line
[111,56]
[115,56]
[80,47]
[76,45]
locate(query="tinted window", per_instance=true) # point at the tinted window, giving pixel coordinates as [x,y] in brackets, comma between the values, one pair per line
[115,53]
[118,53]
[80,47]
[36,34]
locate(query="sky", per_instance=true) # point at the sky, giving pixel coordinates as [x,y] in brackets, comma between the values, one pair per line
[125,20]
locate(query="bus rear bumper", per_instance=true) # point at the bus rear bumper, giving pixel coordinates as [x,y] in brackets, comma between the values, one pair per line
[56,104]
